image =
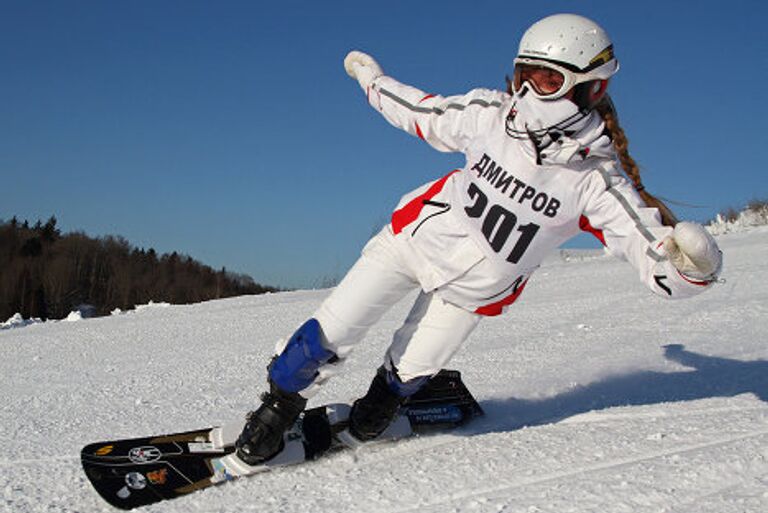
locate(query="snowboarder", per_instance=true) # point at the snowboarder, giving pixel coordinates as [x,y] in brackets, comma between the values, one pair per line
[541,166]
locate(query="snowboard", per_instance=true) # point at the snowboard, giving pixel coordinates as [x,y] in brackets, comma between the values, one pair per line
[136,472]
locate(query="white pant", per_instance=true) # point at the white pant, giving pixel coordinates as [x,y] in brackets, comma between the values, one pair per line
[431,334]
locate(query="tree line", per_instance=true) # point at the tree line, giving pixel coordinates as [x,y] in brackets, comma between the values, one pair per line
[46,274]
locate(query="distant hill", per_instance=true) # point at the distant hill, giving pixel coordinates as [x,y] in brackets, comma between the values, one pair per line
[47,274]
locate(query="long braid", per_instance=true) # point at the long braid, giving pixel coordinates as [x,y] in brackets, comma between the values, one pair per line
[620,143]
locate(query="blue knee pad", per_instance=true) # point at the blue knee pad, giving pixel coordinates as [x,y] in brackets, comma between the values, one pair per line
[297,366]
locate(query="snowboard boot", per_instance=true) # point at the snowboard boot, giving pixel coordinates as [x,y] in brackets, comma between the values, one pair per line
[262,437]
[372,413]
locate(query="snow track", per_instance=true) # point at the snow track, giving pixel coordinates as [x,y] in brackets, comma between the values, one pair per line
[598,398]
[508,489]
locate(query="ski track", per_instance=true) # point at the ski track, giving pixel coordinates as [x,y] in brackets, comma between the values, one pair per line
[605,401]
[508,488]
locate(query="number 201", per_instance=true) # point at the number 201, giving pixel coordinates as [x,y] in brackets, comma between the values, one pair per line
[499,223]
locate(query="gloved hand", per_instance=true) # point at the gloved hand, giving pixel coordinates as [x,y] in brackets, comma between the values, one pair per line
[694,252]
[362,67]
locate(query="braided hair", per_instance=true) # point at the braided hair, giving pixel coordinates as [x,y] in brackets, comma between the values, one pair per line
[607,111]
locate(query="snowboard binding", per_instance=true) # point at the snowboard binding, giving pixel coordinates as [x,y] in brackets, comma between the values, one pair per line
[136,472]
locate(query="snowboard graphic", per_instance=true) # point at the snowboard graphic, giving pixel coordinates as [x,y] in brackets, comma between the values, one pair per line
[135,472]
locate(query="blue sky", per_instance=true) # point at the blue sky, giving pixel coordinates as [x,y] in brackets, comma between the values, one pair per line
[230,132]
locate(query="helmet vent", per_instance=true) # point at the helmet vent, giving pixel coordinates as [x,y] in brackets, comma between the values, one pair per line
[568,39]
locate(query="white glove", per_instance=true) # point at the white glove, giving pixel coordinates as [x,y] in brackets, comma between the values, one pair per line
[362,67]
[694,252]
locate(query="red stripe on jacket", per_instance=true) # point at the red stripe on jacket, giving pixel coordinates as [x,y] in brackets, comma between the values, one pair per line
[409,212]
[419,132]
[498,307]
[692,281]
[585,226]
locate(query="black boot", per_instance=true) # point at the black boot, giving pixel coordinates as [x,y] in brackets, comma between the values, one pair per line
[262,437]
[372,413]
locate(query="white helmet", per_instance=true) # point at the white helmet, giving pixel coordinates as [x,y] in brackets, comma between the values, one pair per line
[572,49]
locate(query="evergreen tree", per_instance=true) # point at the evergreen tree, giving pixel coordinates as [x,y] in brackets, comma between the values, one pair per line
[44,273]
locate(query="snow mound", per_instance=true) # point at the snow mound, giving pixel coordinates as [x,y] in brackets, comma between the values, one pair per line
[152,305]
[73,317]
[17,321]
[747,219]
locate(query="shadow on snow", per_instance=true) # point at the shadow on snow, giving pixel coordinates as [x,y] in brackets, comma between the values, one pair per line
[710,377]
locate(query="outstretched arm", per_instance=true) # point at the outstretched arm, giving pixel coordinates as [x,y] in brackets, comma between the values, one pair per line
[446,123]
[673,263]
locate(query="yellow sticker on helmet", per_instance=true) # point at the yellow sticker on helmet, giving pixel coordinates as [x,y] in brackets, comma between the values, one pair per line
[603,57]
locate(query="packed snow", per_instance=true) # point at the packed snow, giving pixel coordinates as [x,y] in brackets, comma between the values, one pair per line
[599,397]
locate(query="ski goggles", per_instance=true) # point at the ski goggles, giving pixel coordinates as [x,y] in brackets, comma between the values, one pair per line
[550,81]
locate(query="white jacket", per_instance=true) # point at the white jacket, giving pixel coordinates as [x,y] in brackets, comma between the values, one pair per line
[476,236]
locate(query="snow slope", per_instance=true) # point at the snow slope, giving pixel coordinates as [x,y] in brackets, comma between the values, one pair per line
[599,397]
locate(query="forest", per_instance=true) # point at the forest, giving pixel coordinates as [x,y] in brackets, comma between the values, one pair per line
[46,274]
